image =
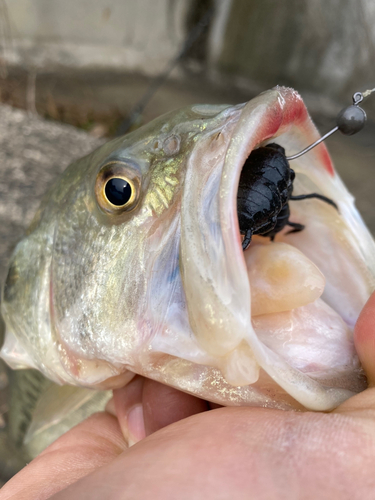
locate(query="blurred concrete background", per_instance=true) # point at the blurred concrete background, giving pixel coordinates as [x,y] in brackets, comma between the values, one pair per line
[324,47]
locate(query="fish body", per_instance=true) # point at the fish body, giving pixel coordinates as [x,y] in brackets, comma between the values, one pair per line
[161,286]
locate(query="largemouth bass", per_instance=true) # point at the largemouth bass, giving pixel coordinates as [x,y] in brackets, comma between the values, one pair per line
[96,291]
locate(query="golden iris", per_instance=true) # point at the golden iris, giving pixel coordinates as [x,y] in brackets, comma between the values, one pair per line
[117,187]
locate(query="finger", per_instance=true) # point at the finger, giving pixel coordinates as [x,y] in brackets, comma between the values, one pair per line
[129,410]
[240,453]
[163,405]
[363,404]
[364,338]
[88,446]
[145,406]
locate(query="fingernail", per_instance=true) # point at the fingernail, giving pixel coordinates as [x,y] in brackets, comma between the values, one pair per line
[136,425]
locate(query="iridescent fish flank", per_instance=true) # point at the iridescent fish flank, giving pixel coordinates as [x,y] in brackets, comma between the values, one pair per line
[134,264]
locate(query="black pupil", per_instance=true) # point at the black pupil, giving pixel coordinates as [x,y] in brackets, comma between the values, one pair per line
[118,191]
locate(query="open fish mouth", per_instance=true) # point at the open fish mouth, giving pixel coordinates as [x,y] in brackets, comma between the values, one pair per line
[279,313]
[169,293]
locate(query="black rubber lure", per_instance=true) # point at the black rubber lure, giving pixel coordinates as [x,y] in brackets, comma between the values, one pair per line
[266,182]
[264,192]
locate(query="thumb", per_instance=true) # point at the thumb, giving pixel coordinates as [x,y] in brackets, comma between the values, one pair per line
[363,404]
[364,339]
[144,406]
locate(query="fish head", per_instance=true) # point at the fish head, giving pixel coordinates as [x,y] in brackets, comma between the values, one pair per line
[93,280]
[161,286]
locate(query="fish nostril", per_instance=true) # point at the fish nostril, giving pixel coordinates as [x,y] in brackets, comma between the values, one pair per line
[171,145]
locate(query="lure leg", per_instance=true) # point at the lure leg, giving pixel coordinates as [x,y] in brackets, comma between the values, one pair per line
[246,241]
[296,227]
[315,195]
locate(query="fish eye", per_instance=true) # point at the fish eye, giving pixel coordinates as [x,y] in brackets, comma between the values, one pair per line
[117,188]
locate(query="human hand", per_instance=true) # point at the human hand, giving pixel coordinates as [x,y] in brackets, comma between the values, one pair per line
[184,451]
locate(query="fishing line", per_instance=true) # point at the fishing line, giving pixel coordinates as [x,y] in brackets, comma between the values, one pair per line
[160,80]
[366,93]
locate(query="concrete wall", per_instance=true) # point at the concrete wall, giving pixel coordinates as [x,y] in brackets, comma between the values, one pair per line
[324,47]
[134,35]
